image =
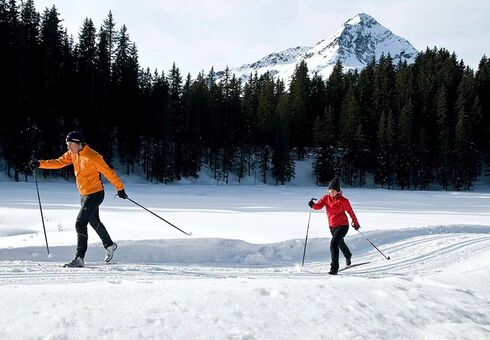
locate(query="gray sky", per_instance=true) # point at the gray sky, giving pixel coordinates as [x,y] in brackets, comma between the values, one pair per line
[198,34]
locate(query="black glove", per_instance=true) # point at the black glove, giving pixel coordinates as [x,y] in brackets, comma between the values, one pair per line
[311,202]
[32,165]
[356,226]
[122,194]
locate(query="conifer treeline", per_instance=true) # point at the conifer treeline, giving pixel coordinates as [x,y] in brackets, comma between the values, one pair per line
[409,126]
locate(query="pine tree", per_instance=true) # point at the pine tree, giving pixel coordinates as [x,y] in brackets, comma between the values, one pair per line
[404,164]
[483,92]
[107,101]
[282,162]
[146,143]
[465,159]
[235,121]
[443,140]
[300,111]
[176,123]
[30,58]
[267,105]
[250,131]
[212,130]
[199,107]
[318,96]
[159,127]
[367,111]
[103,88]
[3,85]
[335,93]
[126,90]
[350,122]
[324,146]
[52,109]
[384,85]
[9,55]
[109,30]
[86,53]
[229,129]
[19,65]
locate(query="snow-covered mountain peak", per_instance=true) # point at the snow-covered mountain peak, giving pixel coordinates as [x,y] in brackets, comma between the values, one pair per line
[361,18]
[355,43]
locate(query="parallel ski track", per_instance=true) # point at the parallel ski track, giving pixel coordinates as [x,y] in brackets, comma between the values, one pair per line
[419,255]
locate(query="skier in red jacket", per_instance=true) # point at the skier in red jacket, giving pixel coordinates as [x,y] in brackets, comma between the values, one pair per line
[336,205]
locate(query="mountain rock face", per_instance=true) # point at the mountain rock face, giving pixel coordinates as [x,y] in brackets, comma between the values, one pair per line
[357,42]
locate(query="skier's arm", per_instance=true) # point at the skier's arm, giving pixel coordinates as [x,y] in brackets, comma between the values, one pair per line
[108,173]
[57,163]
[320,203]
[350,211]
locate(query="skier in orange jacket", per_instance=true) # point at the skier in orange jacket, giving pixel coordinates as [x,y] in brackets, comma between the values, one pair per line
[88,165]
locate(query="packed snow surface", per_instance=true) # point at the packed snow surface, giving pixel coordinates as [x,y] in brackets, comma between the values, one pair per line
[239,276]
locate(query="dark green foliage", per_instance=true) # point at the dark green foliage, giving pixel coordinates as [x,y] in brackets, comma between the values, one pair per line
[405,126]
[324,146]
[300,114]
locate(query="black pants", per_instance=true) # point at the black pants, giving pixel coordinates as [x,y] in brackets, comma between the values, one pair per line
[89,213]
[338,234]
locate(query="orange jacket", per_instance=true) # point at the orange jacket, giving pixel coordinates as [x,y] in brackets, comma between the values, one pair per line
[88,165]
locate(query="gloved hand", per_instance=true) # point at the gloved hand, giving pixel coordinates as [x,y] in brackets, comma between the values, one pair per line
[356,226]
[32,165]
[122,194]
[311,202]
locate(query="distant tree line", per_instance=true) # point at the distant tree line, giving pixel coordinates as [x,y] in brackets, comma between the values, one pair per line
[407,126]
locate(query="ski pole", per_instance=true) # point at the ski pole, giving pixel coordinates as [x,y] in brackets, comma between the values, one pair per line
[41,210]
[306,239]
[164,220]
[386,257]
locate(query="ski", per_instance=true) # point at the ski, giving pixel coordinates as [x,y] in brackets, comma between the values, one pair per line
[91,265]
[353,265]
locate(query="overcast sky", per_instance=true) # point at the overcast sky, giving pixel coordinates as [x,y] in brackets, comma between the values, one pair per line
[198,34]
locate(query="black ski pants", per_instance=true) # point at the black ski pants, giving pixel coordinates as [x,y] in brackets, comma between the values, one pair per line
[89,213]
[338,234]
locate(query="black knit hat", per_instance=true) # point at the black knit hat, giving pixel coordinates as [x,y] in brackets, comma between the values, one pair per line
[75,137]
[334,184]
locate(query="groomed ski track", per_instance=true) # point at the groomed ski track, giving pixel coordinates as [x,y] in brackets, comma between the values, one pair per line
[413,254]
[435,286]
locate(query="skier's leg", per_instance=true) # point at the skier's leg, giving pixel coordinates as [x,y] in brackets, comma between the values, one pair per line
[99,227]
[345,250]
[338,234]
[89,205]
[334,250]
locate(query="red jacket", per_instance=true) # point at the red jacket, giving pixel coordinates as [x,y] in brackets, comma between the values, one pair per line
[336,208]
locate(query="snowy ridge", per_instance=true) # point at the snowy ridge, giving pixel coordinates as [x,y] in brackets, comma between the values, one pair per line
[355,44]
[223,252]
